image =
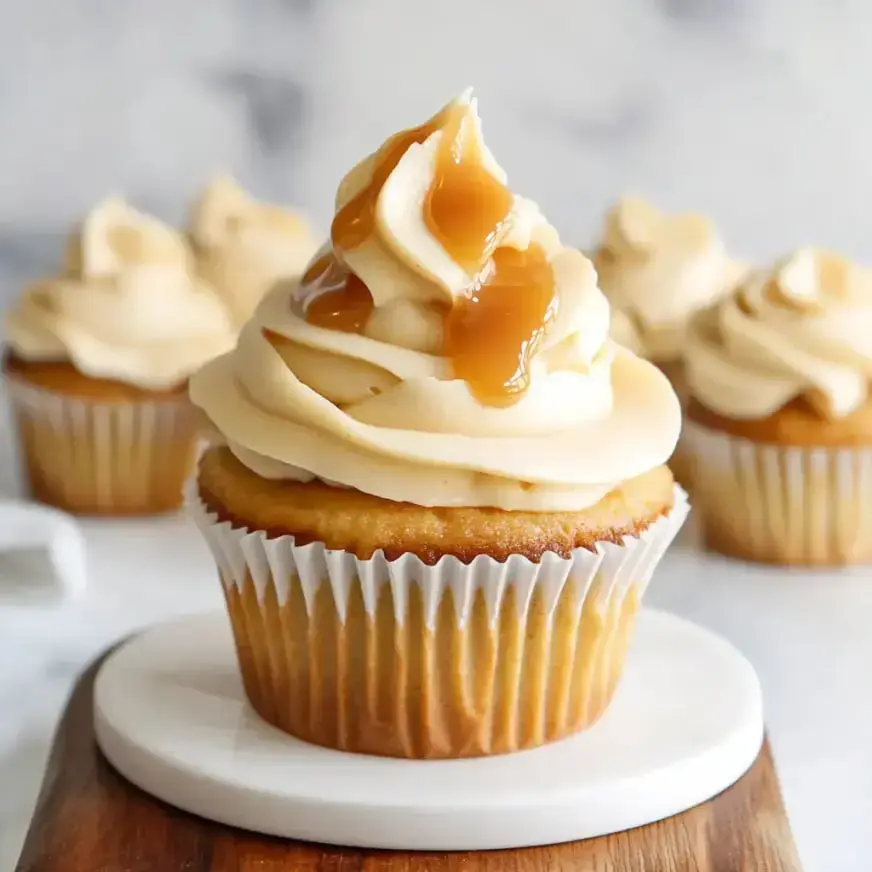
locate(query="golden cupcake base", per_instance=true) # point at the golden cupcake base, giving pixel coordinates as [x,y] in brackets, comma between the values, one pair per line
[377,685]
[409,649]
[93,456]
[785,504]
[819,520]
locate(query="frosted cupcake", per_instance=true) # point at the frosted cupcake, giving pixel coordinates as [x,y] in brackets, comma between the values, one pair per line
[97,365]
[781,418]
[244,246]
[657,270]
[440,492]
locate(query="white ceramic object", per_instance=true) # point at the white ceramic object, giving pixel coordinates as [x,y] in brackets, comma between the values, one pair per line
[30,526]
[686,723]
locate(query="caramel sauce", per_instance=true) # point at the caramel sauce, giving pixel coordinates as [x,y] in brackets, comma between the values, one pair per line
[492,333]
[466,207]
[493,330]
[354,222]
[342,302]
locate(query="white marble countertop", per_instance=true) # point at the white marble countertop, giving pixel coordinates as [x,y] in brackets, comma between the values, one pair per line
[807,633]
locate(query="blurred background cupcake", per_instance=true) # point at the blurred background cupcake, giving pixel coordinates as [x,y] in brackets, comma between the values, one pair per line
[433,533]
[244,246]
[780,421]
[97,364]
[657,270]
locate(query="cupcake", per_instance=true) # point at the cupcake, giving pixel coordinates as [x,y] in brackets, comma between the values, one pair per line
[97,364]
[657,270]
[439,492]
[780,420]
[243,246]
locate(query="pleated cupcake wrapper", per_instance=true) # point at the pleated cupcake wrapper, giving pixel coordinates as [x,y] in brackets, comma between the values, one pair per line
[399,658]
[782,504]
[244,555]
[94,457]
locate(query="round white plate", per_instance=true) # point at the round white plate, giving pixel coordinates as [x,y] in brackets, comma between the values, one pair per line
[686,723]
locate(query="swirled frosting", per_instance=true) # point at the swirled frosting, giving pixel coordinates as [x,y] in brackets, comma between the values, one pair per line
[801,328]
[128,305]
[658,270]
[624,331]
[244,246]
[379,405]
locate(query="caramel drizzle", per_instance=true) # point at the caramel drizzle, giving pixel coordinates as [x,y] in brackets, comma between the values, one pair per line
[340,300]
[491,332]
[355,221]
[466,208]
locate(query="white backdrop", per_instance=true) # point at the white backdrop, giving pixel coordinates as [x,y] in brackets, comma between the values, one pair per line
[756,110]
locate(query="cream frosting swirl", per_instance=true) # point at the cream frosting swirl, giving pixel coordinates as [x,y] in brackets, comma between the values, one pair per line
[624,331]
[244,246]
[128,306]
[801,328]
[382,411]
[658,270]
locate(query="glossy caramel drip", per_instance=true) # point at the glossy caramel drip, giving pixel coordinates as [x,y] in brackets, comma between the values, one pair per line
[492,333]
[353,223]
[340,301]
[466,206]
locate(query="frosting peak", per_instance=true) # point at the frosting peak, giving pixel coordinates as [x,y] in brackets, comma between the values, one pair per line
[442,348]
[801,328]
[244,246]
[658,270]
[634,226]
[114,237]
[810,280]
[128,306]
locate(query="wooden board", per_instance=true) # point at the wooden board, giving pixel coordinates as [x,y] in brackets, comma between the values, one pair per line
[88,819]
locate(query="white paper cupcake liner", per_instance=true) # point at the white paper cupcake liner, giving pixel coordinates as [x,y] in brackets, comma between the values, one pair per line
[782,504]
[244,555]
[402,658]
[104,457]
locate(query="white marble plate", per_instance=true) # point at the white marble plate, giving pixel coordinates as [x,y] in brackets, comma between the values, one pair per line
[686,723]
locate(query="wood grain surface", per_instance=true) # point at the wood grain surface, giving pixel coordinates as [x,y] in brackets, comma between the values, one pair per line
[88,819]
